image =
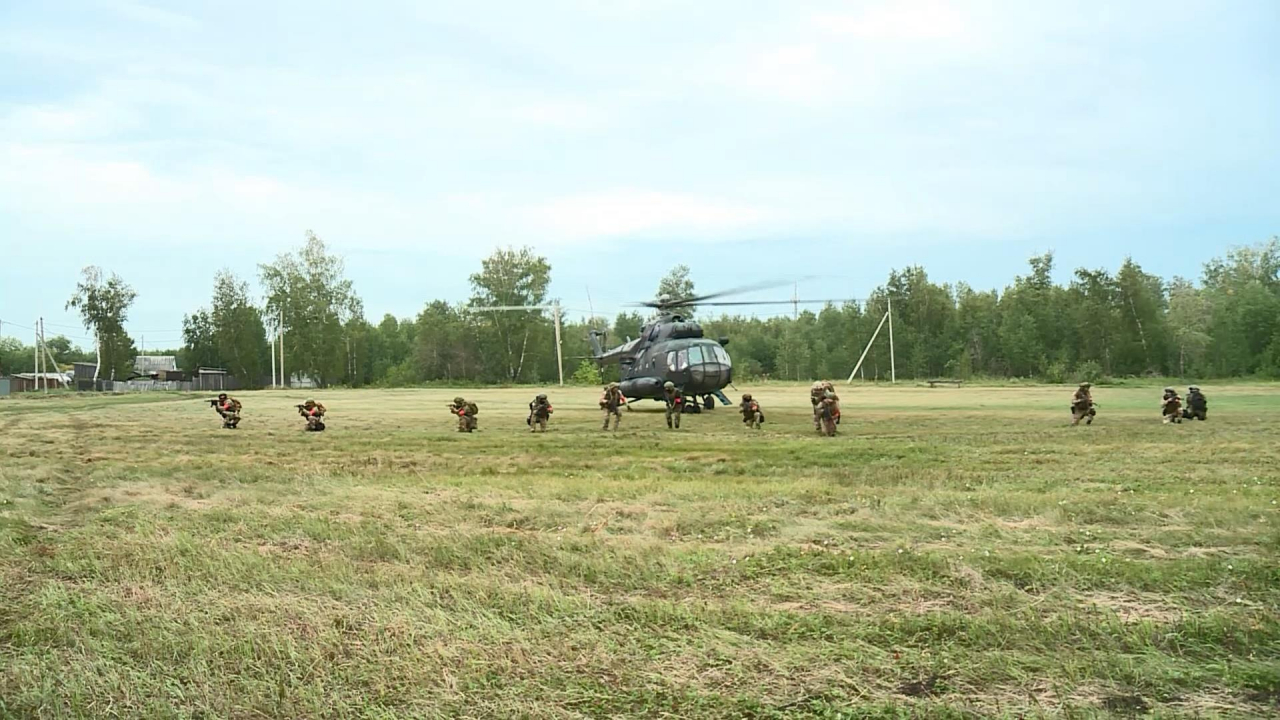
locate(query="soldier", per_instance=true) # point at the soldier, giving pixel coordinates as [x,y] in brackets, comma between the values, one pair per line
[466,412]
[610,402]
[314,413]
[229,409]
[675,404]
[1082,406]
[539,413]
[751,414]
[1197,405]
[828,413]
[829,389]
[1171,406]
[816,391]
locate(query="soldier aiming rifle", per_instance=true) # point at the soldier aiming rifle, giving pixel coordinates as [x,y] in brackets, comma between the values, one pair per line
[314,414]
[228,408]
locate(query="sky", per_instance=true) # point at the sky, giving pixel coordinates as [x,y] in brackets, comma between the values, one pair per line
[752,141]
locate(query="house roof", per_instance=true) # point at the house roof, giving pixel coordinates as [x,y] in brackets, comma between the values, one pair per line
[153,363]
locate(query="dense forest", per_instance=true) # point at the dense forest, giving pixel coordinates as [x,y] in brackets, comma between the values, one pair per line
[1099,325]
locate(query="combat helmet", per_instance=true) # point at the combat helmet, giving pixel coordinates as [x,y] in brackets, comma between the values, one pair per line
[1170,390]
[746,397]
[668,385]
[222,396]
[541,397]
[309,401]
[1194,389]
[459,400]
[1086,385]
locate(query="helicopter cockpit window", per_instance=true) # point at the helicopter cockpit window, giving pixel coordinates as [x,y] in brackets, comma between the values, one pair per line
[695,355]
[722,357]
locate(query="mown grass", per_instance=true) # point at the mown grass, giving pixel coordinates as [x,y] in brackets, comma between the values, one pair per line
[953,553]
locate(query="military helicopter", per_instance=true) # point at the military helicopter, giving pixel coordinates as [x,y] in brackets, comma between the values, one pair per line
[672,347]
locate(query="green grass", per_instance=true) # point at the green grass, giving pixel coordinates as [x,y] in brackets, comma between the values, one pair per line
[953,553]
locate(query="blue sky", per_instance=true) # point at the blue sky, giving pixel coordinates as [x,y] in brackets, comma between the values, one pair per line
[749,140]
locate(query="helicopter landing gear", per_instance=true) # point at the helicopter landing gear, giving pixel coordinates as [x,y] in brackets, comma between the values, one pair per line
[709,402]
[690,405]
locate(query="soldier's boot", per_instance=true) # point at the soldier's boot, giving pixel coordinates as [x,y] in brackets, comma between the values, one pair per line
[678,420]
[669,421]
[1088,420]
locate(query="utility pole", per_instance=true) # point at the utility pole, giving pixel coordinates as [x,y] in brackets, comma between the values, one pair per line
[47,354]
[795,301]
[282,375]
[559,356]
[893,367]
[272,353]
[35,357]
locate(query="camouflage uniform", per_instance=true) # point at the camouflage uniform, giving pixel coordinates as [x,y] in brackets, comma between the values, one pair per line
[816,392]
[314,413]
[466,412]
[828,413]
[1171,406]
[675,404]
[750,410]
[1197,405]
[229,409]
[539,413]
[610,403]
[1082,407]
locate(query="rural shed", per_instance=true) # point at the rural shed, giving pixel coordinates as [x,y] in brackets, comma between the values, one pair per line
[27,382]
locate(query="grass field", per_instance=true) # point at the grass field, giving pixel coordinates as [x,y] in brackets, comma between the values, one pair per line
[953,553]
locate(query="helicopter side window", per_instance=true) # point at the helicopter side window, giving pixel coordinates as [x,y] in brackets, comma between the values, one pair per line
[722,357]
[671,360]
[653,334]
[682,360]
[695,355]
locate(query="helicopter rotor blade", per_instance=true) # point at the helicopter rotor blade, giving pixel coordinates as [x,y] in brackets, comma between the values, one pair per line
[833,301]
[701,299]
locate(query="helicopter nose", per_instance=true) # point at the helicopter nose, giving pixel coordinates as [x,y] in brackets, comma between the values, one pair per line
[710,375]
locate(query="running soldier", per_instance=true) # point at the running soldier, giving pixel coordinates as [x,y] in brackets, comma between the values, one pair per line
[539,414]
[610,403]
[1082,406]
[816,391]
[751,414]
[675,404]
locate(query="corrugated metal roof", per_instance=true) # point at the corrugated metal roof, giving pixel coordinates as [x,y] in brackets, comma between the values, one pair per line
[155,363]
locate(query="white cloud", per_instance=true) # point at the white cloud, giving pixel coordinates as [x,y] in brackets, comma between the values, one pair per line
[900,21]
[633,211]
[152,15]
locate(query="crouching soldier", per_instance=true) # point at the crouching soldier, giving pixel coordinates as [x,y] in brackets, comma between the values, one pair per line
[313,412]
[466,412]
[1197,405]
[539,414]
[1082,406]
[229,409]
[1171,406]
[675,404]
[751,414]
[610,404]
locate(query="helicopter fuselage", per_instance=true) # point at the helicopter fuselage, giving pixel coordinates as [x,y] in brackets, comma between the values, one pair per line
[671,350]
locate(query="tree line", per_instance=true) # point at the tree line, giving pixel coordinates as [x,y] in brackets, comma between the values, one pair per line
[1099,324]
